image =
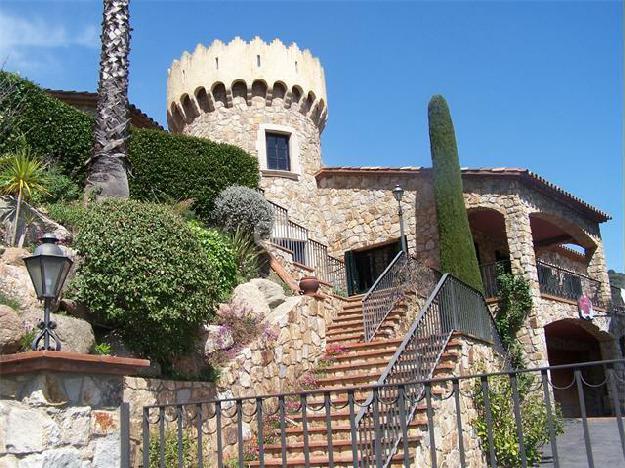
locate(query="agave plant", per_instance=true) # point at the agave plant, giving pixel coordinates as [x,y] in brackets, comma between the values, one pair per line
[21,174]
[107,166]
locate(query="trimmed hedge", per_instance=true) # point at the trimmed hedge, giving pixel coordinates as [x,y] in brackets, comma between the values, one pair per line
[146,273]
[457,251]
[164,166]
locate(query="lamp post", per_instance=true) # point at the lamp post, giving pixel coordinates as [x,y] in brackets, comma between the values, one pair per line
[398,193]
[48,268]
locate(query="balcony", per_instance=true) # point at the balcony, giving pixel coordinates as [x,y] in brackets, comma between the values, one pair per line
[558,282]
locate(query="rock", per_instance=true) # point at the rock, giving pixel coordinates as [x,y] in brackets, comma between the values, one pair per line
[75,334]
[273,292]
[29,430]
[66,457]
[280,315]
[217,338]
[107,453]
[118,348]
[14,256]
[40,222]
[11,330]
[248,295]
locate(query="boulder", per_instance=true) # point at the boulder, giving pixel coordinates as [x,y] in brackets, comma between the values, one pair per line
[14,256]
[38,222]
[75,334]
[11,330]
[248,295]
[273,292]
[280,315]
[216,338]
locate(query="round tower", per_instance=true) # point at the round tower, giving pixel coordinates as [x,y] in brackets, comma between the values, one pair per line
[268,99]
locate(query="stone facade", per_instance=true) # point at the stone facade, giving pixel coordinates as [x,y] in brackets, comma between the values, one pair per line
[60,419]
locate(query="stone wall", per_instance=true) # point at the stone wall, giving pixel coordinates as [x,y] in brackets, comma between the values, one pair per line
[475,356]
[55,418]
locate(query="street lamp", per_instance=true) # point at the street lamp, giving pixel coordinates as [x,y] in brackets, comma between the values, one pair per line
[398,193]
[48,267]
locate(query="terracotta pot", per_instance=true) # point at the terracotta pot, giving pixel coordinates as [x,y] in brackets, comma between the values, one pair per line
[309,285]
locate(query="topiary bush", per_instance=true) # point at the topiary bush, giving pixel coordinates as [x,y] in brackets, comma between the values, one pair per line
[245,209]
[146,273]
[163,165]
[457,251]
[220,252]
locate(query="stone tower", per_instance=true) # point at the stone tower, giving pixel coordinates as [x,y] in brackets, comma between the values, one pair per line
[268,99]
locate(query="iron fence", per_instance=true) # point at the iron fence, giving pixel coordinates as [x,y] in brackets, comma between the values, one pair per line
[306,251]
[452,307]
[490,272]
[559,282]
[459,423]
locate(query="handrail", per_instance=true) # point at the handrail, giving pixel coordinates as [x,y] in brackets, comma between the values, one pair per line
[309,252]
[383,295]
[452,306]
[566,270]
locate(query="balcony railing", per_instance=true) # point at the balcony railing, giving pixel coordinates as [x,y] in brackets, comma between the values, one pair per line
[306,251]
[489,272]
[566,284]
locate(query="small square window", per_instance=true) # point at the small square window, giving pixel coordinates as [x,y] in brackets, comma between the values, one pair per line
[278,157]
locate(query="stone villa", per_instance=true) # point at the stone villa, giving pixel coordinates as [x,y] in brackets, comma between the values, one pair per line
[271,100]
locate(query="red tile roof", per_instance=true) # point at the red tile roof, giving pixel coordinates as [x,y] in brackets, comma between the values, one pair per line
[86,99]
[526,176]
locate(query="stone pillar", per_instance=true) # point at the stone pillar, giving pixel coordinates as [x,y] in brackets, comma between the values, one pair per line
[597,269]
[62,409]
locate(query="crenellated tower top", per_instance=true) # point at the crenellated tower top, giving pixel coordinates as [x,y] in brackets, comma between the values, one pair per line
[213,77]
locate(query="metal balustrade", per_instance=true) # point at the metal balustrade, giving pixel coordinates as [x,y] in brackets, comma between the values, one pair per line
[490,272]
[559,282]
[453,306]
[390,287]
[258,431]
[306,251]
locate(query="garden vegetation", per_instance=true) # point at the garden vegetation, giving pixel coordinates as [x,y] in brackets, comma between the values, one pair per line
[162,166]
[457,251]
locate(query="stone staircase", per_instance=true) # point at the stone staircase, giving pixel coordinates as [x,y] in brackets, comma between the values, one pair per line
[358,364]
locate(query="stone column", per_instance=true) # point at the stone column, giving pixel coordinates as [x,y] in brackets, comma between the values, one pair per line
[597,269]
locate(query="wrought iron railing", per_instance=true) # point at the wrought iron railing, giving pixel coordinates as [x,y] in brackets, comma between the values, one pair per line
[288,429]
[402,274]
[453,306]
[560,282]
[490,272]
[306,251]
[384,294]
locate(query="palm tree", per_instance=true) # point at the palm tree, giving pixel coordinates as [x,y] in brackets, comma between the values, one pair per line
[21,175]
[107,166]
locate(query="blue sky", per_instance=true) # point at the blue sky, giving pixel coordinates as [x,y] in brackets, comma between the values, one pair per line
[530,84]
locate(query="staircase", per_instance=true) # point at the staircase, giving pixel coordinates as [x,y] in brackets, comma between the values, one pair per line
[358,364]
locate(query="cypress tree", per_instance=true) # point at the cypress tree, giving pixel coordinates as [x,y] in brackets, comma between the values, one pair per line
[457,251]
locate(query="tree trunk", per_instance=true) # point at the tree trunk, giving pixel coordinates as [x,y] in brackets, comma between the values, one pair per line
[106,175]
[18,207]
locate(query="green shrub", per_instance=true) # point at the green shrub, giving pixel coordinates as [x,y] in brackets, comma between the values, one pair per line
[457,251]
[59,188]
[163,165]
[515,303]
[220,251]
[170,449]
[533,421]
[146,273]
[245,209]
[9,301]
[103,349]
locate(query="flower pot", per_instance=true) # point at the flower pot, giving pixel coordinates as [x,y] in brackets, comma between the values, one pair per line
[309,285]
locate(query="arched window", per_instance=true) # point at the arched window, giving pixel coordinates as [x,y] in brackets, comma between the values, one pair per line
[219,94]
[259,89]
[203,99]
[239,90]
[279,90]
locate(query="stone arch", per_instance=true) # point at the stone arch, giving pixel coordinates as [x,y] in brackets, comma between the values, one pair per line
[488,228]
[573,341]
[219,94]
[278,91]
[259,90]
[239,91]
[175,118]
[308,103]
[318,111]
[189,108]
[296,95]
[203,99]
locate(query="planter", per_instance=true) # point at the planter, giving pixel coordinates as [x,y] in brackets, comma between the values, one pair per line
[308,285]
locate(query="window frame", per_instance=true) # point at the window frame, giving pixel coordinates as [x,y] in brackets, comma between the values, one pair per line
[285,136]
[294,151]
